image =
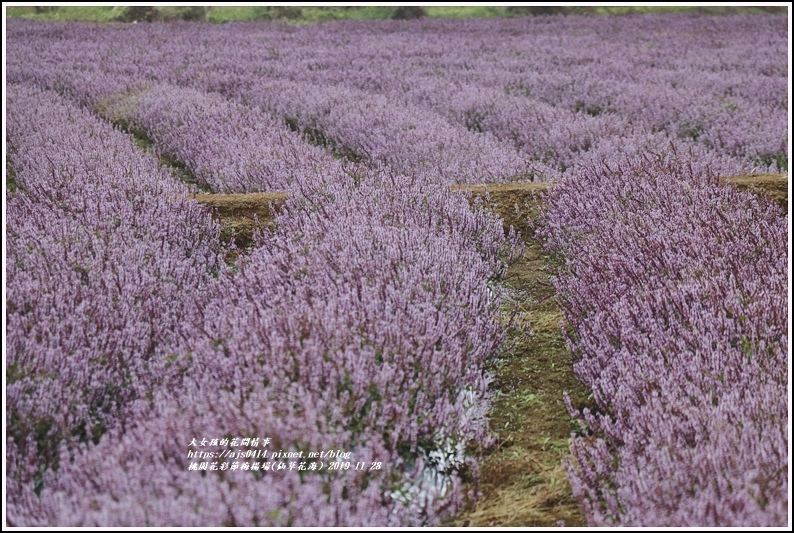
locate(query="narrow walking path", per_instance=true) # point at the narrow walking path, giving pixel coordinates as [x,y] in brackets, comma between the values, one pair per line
[523,480]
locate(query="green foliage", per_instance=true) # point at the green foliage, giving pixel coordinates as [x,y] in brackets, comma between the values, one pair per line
[71,13]
[464,12]
[286,13]
[780,159]
[690,130]
[314,14]
[319,14]
[592,110]
[136,14]
[537,10]
[408,13]
[222,14]
[192,13]
[782,162]
[11,177]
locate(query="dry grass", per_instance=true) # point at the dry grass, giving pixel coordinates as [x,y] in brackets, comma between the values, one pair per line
[523,481]
[775,186]
[504,197]
[243,205]
[242,214]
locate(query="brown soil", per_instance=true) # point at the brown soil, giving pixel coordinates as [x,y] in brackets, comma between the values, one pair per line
[242,214]
[504,197]
[523,482]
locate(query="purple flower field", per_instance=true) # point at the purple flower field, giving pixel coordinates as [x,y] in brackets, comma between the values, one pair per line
[675,291]
[364,317]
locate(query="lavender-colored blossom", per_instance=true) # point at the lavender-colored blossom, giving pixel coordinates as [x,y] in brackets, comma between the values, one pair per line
[372,128]
[674,287]
[106,255]
[226,146]
[362,323]
[361,320]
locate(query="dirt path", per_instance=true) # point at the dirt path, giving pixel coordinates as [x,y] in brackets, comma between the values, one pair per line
[523,480]
[775,186]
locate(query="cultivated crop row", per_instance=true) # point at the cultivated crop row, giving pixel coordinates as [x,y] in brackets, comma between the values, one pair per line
[407,140]
[539,100]
[360,321]
[680,75]
[675,291]
[360,324]
[107,257]
[226,146]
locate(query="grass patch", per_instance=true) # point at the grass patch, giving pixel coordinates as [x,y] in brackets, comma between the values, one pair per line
[321,14]
[64,13]
[221,14]
[315,14]
[465,12]
[142,141]
[523,480]
[11,177]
